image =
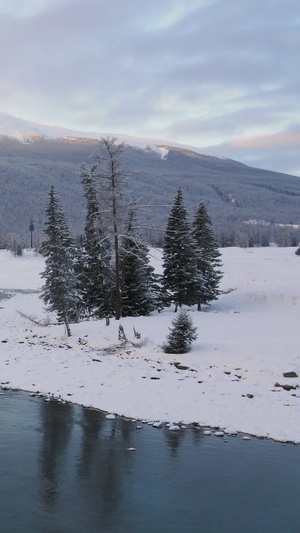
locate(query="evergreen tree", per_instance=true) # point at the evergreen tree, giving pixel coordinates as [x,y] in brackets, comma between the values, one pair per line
[138,295]
[60,291]
[97,278]
[180,276]
[208,256]
[181,335]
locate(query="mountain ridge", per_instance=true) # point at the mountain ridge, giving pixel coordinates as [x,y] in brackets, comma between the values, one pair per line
[19,128]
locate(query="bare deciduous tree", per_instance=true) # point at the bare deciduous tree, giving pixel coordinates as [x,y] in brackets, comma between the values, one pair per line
[113,181]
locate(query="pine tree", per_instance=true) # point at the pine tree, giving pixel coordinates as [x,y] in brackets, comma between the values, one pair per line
[138,297]
[181,335]
[60,291]
[97,278]
[180,276]
[208,256]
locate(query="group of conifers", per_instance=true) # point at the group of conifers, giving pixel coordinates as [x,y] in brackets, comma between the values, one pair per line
[108,272]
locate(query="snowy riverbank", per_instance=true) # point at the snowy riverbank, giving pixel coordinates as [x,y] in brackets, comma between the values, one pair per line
[230,379]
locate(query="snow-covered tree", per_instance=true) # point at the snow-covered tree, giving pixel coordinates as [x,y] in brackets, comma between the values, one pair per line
[208,256]
[60,291]
[181,335]
[97,277]
[180,275]
[112,179]
[138,296]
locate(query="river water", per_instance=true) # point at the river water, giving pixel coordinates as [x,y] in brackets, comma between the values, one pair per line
[64,468]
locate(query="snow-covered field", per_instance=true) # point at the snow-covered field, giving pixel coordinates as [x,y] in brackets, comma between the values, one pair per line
[246,341]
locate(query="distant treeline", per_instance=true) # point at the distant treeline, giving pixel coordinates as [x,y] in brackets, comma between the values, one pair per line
[244,236]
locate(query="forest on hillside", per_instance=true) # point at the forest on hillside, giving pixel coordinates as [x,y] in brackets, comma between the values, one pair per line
[247,206]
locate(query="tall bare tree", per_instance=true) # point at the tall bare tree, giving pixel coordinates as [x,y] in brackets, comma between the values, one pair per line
[113,188]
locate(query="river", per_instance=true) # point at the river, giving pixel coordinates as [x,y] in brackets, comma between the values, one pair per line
[65,468]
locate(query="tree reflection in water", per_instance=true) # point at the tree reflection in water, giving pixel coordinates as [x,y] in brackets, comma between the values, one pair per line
[103,461]
[56,424]
[66,468]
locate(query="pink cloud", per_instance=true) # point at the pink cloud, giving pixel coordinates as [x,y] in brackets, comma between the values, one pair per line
[270,140]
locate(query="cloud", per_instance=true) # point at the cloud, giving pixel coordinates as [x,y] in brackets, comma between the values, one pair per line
[275,140]
[275,151]
[200,72]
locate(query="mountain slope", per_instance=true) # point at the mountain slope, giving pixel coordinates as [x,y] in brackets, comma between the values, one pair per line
[233,192]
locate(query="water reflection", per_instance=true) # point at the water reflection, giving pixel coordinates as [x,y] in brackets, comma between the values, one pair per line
[65,469]
[174,439]
[103,461]
[197,434]
[56,425]
[92,424]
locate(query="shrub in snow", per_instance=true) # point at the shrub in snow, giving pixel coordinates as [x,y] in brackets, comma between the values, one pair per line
[297,252]
[181,335]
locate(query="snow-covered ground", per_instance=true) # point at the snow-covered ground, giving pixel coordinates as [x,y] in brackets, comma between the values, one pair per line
[246,341]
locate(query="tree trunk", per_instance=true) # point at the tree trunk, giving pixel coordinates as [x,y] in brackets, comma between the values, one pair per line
[66,321]
[118,283]
[68,330]
[116,246]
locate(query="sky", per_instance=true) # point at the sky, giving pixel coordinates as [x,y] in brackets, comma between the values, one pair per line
[220,75]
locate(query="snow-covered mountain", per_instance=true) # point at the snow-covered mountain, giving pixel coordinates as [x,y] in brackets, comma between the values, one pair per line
[20,129]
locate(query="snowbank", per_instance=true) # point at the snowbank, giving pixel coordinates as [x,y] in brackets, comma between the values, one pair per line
[233,378]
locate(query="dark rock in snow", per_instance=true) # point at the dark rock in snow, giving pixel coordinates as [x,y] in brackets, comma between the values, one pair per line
[180,366]
[287,387]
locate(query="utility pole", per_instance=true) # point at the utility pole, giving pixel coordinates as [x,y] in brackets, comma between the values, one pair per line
[31,229]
